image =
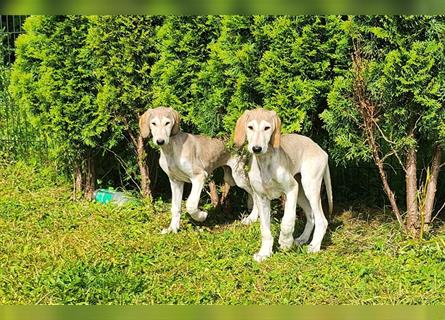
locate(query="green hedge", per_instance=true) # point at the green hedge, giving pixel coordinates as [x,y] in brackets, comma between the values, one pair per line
[87,79]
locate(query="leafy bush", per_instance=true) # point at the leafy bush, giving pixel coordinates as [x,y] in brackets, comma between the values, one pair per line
[87,79]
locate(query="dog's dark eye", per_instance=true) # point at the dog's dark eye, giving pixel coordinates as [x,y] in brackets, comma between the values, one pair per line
[167,123]
[266,128]
[250,127]
[154,123]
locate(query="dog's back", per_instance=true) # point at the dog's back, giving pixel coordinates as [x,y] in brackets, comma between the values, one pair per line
[210,151]
[299,148]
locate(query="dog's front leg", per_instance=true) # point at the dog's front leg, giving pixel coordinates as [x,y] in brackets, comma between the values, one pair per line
[193,199]
[241,180]
[253,216]
[266,236]
[288,222]
[177,188]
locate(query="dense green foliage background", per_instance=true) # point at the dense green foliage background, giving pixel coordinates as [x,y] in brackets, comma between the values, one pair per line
[86,79]
[405,76]
[18,139]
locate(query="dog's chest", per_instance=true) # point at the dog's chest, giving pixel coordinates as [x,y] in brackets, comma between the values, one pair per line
[266,181]
[178,169]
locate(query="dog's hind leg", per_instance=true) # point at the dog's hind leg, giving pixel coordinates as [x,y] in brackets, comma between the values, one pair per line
[321,225]
[312,187]
[304,204]
[228,176]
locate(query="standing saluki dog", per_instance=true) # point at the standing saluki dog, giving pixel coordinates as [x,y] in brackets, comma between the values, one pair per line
[275,162]
[190,158]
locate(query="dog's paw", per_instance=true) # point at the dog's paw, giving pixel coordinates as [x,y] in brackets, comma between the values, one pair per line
[300,241]
[311,248]
[260,257]
[285,242]
[200,216]
[169,230]
[284,246]
[249,220]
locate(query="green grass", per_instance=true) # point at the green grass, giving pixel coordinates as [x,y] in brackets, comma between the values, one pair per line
[56,251]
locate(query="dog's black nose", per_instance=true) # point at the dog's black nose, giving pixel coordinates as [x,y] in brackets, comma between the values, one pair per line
[160,142]
[257,149]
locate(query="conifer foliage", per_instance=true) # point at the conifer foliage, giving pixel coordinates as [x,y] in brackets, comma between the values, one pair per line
[390,106]
[368,88]
[53,79]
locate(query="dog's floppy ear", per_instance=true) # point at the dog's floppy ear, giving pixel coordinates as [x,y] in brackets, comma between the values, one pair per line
[276,135]
[240,129]
[144,123]
[177,120]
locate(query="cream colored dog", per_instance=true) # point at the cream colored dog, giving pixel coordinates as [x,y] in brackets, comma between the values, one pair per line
[190,158]
[275,162]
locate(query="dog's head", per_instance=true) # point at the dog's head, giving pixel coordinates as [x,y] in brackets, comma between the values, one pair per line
[161,123]
[261,127]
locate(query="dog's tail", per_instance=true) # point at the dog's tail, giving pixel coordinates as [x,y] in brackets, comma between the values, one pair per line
[328,185]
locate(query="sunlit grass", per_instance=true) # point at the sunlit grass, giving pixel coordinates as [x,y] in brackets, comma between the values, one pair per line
[54,250]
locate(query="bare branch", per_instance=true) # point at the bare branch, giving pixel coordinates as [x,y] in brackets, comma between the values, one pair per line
[437,213]
[389,165]
[417,121]
[388,155]
[381,132]
[391,143]
[130,133]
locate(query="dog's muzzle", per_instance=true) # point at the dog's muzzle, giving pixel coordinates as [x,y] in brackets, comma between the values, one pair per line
[257,149]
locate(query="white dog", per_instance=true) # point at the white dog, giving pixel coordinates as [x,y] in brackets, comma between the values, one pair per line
[189,158]
[276,160]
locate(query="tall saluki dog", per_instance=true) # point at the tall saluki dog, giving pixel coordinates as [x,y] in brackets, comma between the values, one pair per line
[189,158]
[276,161]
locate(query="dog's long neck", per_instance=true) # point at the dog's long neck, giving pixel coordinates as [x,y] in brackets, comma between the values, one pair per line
[177,139]
[264,162]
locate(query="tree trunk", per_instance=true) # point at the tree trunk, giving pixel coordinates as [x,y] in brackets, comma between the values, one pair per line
[143,168]
[412,215]
[369,113]
[213,193]
[389,193]
[432,186]
[77,185]
[90,176]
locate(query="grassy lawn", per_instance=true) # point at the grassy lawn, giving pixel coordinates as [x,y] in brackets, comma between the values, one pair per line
[56,251]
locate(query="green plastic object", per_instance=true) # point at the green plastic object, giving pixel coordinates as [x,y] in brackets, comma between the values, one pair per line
[106,196]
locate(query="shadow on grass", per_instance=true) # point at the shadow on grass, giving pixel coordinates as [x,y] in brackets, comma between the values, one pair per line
[366,214]
[227,215]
